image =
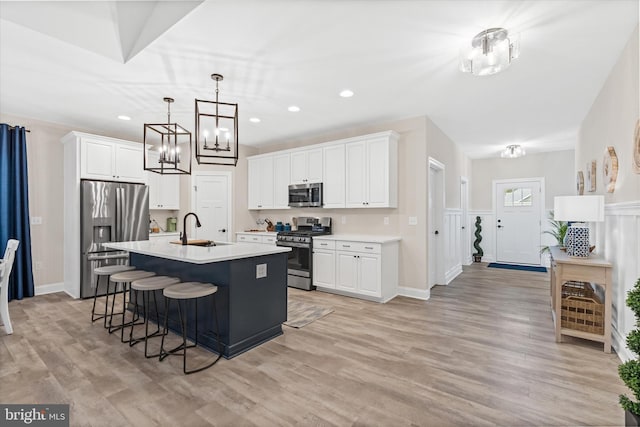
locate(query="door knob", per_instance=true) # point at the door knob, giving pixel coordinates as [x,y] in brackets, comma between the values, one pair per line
[222,231]
[499,226]
[463,228]
[437,232]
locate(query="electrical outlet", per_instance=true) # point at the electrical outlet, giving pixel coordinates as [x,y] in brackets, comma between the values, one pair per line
[344,219]
[38,265]
[413,220]
[386,220]
[36,220]
[261,271]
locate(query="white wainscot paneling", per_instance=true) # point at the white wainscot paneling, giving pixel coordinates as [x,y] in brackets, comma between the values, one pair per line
[619,238]
[488,234]
[452,249]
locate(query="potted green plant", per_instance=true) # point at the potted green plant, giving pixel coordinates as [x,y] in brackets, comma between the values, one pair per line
[629,371]
[558,231]
[477,257]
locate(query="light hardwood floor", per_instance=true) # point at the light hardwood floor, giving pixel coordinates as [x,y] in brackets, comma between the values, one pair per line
[481,351]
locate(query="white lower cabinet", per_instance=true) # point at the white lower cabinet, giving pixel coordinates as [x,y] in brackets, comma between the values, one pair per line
[357,268]
[266,238]
[324,268]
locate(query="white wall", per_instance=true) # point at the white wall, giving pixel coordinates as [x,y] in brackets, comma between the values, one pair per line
[556,167]
[611,121]
[46,192]
[419,139]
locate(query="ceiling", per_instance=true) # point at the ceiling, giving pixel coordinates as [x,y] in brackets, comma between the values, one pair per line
[84,63]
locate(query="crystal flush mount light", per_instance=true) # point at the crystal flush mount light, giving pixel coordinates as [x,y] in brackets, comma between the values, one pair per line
[513,151]
[491,51]
[167,146]
[216,130]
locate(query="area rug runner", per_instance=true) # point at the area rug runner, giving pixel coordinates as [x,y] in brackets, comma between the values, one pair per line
[517,267]
[300,314]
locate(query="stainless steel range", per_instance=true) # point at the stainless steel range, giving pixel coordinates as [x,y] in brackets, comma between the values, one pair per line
[300,263]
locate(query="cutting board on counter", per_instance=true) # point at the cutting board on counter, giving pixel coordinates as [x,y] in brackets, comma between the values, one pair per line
[191,242]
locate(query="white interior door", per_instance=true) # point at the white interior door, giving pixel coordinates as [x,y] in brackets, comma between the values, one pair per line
[465,242]
[211,201]
[435,206]
[518,221]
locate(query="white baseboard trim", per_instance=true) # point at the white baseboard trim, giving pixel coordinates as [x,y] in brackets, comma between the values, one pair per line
[49,288]
[619,343]
[452,273]
[421,294]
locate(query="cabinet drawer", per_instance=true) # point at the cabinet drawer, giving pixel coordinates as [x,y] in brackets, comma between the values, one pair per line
[271,240]
[324,244]
[242,238]
[344,245]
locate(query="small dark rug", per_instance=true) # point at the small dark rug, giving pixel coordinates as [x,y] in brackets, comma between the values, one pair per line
[517,267]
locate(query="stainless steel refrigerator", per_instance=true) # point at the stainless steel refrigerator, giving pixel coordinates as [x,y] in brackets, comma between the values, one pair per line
[109,212]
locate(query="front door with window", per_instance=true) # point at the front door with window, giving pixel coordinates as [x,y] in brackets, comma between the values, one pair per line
[518,221]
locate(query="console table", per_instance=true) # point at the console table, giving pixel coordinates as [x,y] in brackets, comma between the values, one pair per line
[593,269]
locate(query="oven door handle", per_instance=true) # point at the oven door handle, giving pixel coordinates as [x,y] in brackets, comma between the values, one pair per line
[294,245]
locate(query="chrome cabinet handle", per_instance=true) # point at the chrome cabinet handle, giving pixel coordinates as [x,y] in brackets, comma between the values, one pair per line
[368,247]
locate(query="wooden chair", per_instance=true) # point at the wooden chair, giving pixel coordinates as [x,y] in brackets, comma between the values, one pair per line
[6,265]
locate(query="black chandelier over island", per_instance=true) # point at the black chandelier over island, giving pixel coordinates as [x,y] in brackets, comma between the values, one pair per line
[216,130]
[166,146]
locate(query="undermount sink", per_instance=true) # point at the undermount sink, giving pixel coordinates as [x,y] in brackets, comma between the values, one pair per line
[204,243]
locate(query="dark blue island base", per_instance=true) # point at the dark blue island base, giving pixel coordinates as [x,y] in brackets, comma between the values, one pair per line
[250,310]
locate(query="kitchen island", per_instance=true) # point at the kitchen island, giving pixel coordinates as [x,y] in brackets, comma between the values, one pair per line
[252,288]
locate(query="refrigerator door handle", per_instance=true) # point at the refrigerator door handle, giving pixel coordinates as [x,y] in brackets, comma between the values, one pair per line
[118,232]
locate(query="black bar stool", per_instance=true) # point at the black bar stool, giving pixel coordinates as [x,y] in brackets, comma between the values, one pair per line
[188,291]
[148,286]
[101,272]
[125,278]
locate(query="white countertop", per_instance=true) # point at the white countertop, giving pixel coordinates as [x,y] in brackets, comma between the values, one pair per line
[364,238]
[165,233]
[259,233]
[197,254]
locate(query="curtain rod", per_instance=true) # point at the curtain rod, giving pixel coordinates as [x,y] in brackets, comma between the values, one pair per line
[13,127]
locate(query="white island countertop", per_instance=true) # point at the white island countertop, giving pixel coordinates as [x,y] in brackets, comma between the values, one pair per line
[197,254]
[364,238]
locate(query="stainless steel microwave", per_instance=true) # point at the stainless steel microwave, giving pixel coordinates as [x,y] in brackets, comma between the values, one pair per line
[305,195]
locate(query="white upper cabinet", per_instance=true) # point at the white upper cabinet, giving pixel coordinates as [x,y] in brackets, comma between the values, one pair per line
[306,166]
[359,172]
[333,187]
[281,179]
[164,190]
[372,173]
[260,181]
[110,160]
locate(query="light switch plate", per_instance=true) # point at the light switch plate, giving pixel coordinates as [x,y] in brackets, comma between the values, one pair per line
[413,220]
[261,271]
[36,220]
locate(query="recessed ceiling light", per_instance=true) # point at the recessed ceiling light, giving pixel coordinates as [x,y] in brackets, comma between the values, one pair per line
[346,93]
[294,108]
[254,120]
[123,117]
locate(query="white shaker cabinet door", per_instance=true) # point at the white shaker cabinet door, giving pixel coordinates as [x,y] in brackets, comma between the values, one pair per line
[281,179]
[355,157]
[333,187]
[97,160]
[129,163]
[378,172]
[369,275]
[324,268]
[346,271]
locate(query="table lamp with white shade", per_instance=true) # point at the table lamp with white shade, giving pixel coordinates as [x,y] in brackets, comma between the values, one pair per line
[578,210]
